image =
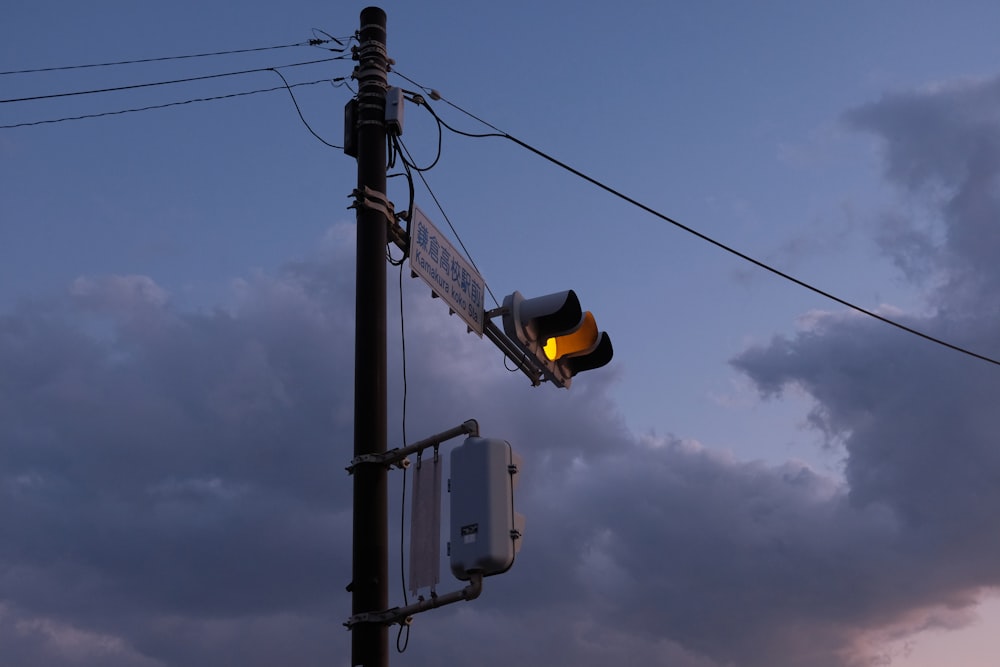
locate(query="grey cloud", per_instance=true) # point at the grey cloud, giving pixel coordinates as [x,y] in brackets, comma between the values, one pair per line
[942,148]
[910,246]
[939,136]
[917,422]
[173,481]
[181,463]
[731,560]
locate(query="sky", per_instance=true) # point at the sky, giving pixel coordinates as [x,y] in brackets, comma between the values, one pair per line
[762,476]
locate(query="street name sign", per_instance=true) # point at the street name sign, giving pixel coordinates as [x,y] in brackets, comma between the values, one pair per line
[450,276]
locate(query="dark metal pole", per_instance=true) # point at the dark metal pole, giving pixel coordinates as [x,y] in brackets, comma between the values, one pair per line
[370,569]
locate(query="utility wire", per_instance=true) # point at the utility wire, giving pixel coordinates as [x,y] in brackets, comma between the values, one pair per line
[648,209]
[162,106]
[301,117]
[311,42]
[165,83]
[446,218]
[435,95]
[401,644]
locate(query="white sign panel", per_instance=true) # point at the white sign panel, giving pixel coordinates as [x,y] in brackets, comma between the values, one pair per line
[433,258]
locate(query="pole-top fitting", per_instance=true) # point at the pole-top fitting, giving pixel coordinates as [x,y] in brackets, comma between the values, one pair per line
[373,12]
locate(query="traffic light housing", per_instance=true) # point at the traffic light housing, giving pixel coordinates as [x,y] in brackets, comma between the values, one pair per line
[485,532]
[557,334]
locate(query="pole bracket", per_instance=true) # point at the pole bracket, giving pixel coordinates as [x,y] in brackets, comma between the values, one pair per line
[404,615]
[372,200]
[397,455]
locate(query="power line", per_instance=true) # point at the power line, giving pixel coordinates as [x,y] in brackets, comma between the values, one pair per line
[311,42]
[162,106]
[648,209]
[203,77]
[301,117]
[408,160]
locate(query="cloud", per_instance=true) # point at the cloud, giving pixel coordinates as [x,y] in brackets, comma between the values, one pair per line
[118,293]
[174,494]
[160,463]
[918,422]
[942,150]
[173,485]
[33,640]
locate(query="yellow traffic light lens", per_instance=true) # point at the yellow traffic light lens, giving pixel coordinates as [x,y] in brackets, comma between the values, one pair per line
[583,339]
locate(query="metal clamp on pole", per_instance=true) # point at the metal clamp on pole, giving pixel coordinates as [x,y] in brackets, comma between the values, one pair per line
[373,200]
[403,615]
[397,456]
[366,198]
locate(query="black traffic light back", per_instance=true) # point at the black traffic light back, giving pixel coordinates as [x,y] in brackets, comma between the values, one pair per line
[531,323]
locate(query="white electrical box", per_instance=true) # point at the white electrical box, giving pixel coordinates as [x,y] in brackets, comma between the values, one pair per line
[485,531]
[394,111]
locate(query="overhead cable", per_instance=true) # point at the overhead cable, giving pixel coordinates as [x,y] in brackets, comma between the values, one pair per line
[648,209]
[408,160]
[311,42]
[162,106]
[203,77]
[299,110]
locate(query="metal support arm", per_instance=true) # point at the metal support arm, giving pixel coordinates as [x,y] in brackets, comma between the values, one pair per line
[524,363]
[403,615]
[398,454]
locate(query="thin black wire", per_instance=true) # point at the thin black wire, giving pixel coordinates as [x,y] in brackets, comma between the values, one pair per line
[161,106]
[437,157]
[406,160]
[391,152]
[648,209]
[350,38]
[435,95]
[406,152]
[409,216]
[301,117]
[402,337]
[164,83]
[402,509]
[311,42]
[328,36]
[412,191]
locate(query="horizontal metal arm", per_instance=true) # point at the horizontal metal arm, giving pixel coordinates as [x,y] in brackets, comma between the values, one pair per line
[524,363]
[394,456]
[402,614]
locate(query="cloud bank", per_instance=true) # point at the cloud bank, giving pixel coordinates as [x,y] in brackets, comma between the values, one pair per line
[173,486]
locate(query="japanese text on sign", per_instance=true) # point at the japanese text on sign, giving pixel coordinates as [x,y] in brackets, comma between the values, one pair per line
[433,258]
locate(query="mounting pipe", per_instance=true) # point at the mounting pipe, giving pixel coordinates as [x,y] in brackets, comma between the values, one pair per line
[403,615]
[394,456]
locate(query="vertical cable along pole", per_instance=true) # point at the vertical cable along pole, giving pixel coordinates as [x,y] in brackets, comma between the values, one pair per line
[370,555]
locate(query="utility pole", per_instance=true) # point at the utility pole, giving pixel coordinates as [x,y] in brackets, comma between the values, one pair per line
[548,336]
[370,556]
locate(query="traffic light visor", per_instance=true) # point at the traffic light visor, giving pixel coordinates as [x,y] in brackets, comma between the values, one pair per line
[581,340]
[599,356]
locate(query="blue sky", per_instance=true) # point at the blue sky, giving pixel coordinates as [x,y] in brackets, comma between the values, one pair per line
[760,477]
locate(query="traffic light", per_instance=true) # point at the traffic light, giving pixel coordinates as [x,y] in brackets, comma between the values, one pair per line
[555,331]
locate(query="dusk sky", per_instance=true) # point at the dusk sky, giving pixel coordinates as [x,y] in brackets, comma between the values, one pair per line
[762,477]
